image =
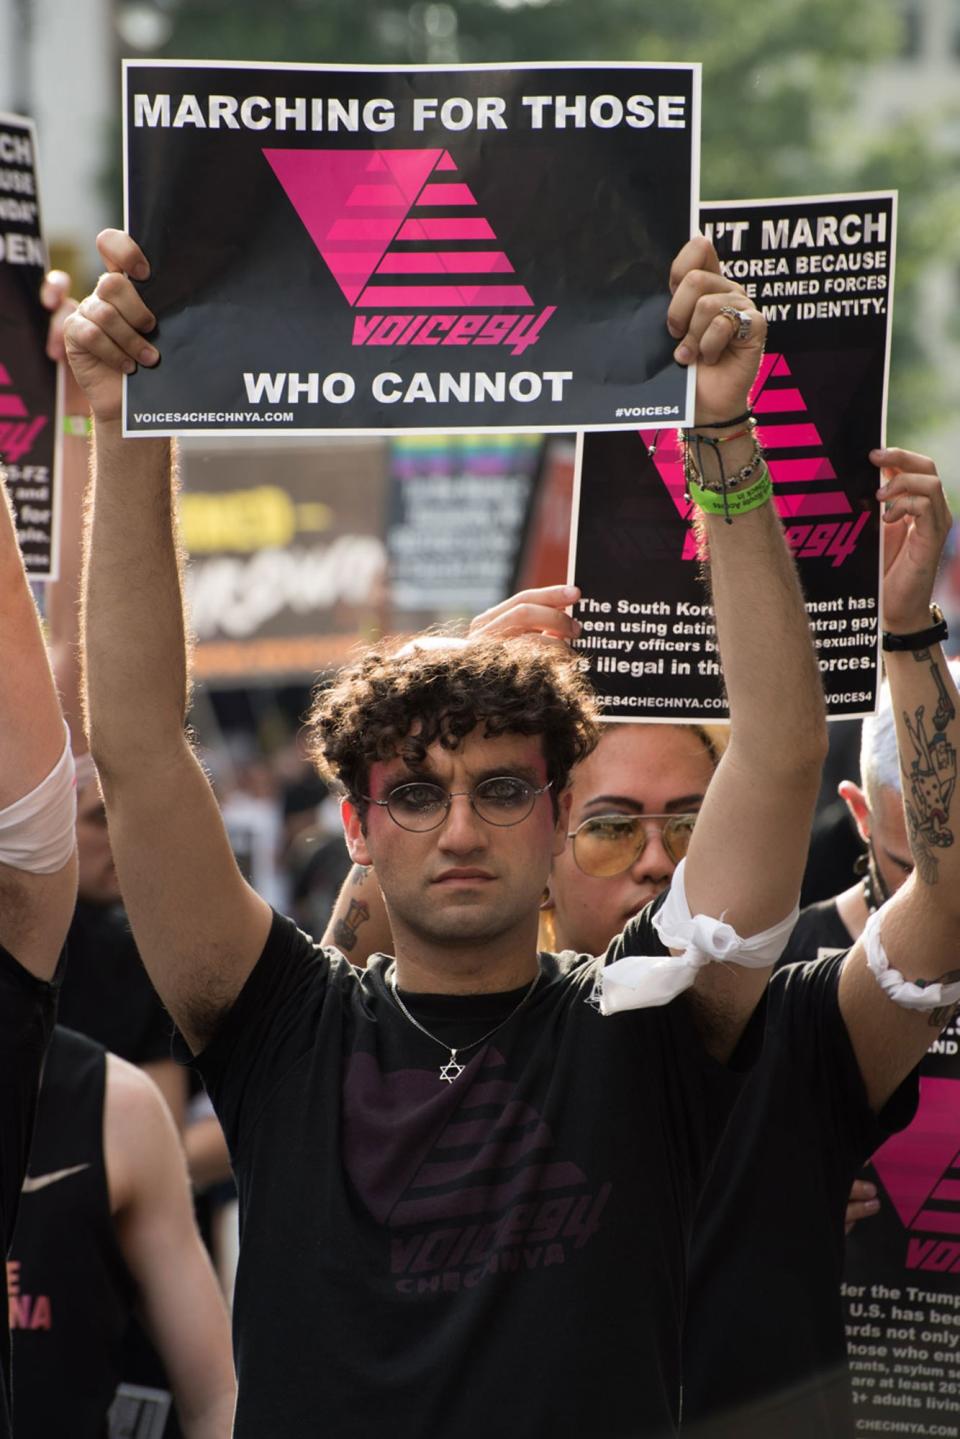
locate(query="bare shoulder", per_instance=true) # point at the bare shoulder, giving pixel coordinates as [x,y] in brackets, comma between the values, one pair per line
[139,1134]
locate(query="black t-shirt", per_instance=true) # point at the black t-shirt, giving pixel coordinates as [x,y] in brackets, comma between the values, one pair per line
[504,1253]
[74,1294]
[107,993]
[818,934]
[27,1007]
[764,1344]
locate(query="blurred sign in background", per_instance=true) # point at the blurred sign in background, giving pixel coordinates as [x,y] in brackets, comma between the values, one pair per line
[459,507]
[288,561]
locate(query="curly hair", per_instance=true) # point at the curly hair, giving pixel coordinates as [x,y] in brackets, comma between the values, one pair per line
[397,700]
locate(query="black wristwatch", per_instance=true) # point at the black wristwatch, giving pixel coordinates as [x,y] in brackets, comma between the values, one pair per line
[920,639]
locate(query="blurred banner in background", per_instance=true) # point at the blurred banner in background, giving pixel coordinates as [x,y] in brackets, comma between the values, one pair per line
[281,583]
[459,506]
[419,531]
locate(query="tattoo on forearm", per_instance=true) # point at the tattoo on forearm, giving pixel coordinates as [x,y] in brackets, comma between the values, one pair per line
[931,777]
[345,929]
[359,873]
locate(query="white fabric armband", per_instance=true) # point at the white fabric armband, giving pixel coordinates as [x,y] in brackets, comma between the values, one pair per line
[906,992]
[38,832]
[641,981]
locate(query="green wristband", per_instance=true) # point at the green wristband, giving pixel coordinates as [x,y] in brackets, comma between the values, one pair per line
[81,426]
[734,502]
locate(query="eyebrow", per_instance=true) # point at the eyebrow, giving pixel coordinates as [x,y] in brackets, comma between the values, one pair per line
[425,774]
[679,805]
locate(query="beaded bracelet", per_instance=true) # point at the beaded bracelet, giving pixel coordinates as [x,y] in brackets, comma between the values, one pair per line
[724,480]
[730,503]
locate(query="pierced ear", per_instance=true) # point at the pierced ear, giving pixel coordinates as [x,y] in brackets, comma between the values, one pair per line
[856,801]
[547,903]
[353,833]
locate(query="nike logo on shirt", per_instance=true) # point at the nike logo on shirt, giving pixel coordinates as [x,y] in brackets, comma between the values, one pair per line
[40,1181]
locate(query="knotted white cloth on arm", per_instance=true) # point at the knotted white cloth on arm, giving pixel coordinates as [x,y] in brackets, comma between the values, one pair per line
[641,981]
[903,991]
[38,831]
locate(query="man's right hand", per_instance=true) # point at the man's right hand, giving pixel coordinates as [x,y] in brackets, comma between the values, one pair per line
[104,336]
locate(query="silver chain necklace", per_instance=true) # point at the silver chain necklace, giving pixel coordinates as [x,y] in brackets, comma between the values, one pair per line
[453,1068]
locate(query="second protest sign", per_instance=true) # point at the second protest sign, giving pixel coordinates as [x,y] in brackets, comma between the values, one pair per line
[821,269]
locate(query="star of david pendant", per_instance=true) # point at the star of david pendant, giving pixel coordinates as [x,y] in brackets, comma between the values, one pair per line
[451,1070]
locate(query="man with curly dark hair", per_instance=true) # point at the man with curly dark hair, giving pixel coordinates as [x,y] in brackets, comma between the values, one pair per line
[466,1195]
[400,700]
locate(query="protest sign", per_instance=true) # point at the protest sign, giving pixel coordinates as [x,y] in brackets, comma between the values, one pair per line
[901,1286]
[370,250]
[822,271]
[459,506]
[29,443]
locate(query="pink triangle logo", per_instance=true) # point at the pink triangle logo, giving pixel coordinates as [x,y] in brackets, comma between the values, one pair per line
[11,405]
[391,237]
[18,430]
[352,202]
[912,1163]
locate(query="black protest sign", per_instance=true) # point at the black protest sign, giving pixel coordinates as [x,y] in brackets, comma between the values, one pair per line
[378,250]
[29,446]
[822,271]
[901,1287]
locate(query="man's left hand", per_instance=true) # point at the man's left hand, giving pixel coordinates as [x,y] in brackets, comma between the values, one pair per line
[726,365]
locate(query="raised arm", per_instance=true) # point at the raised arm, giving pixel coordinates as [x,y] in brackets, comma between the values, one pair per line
[199,927]
[920,925]
[63,596]
[63,616]
[358,926]
[748,851]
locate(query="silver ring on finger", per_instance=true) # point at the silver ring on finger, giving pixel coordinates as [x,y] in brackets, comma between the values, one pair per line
[740,319]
